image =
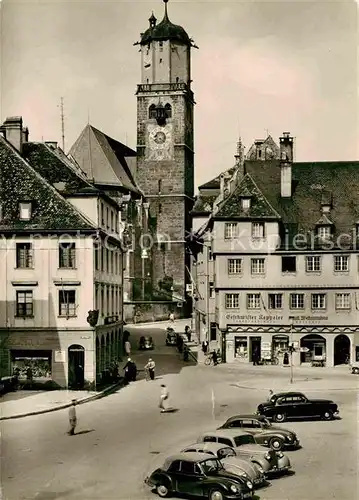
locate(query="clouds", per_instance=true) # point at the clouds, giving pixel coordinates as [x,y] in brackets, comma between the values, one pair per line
[261,65]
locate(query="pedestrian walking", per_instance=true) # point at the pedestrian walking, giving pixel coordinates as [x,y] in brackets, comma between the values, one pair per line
[128,348]
[72,418]
[205,346]
[188,332]
[172,317]
[164,398]
[150,369]
[270,395]
[130,371]
[215,358]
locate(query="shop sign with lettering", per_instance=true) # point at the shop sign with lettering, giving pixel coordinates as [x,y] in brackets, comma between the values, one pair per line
[251,318]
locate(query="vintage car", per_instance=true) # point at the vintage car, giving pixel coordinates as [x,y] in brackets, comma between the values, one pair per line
[246,447]
[263,431]
[230,461]
[146,343]
[286,405]
[171,337]
[198,474]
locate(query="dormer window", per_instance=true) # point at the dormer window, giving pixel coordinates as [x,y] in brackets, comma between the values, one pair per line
[25,210]
[324,232]
[246,204]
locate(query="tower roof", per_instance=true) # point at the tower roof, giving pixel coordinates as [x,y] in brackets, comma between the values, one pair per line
[165,30]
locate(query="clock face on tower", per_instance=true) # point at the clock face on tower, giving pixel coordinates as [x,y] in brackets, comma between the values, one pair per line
[159,143]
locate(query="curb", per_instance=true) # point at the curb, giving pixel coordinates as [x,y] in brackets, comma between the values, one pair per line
[87,399]
[293,388]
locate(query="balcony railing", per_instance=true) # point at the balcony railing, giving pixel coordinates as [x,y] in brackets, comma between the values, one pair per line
[155,87]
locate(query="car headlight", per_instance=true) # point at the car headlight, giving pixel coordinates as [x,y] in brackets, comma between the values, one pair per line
[233,488]
[267,456]
[290,437]
[249,485]
[280,454]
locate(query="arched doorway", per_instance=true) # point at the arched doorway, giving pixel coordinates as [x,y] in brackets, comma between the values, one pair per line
[341,350]
[76,368]
[312,348]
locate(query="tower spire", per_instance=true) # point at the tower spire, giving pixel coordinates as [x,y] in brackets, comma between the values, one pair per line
[166,12]
[239,156]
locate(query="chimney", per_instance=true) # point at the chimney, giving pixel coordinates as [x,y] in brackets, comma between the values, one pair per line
[25,135]
[13,132]
[286,160]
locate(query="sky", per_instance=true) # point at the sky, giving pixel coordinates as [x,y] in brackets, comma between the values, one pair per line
[262,67]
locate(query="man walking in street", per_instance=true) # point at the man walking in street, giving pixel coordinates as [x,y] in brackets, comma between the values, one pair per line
[150,369]
[172,317]
[72,418]
[127,348]
[164,397]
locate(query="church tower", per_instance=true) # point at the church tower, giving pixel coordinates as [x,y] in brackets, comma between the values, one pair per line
[165,156]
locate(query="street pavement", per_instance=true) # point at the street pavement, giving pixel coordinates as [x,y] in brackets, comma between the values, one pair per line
[122,437]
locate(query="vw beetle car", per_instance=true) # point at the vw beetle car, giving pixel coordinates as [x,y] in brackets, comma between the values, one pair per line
[246,447]
[230,461]
[263,431]
[171,337]
[146,343]
[295,405]
[198,474]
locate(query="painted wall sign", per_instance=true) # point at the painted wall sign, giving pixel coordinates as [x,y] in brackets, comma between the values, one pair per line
[60,356]
[251,318]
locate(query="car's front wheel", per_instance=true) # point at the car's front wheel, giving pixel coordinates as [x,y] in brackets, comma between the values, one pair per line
[276,443]
[162,490]
[279,417]
[215,495]
[328,415]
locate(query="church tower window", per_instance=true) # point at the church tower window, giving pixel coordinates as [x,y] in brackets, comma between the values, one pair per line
[168,111]
[152,111]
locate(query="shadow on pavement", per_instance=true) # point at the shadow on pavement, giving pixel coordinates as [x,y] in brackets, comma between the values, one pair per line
[84,432]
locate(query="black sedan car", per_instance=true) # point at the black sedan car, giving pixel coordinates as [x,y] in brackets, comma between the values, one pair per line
[263,431]
[285,405]
[198,474]
[146,343]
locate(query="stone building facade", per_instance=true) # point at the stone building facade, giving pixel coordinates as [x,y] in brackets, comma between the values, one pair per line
[284,243]
[165,150]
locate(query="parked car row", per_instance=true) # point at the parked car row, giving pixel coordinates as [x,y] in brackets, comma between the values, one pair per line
[230,463]
[223,464]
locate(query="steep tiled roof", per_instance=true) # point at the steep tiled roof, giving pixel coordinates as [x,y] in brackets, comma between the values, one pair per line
[311,184]
[19,182]
[103,159]
[259,207]
[203,204]
[55,167]
[215,183]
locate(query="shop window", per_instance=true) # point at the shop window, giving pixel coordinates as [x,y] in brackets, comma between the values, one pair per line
[31,364]
[67,255]
[67,303]
[241,347]
[289,264]
[24,304]
[23,255]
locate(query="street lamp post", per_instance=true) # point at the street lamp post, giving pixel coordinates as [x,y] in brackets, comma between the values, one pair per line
[144,256]
[291,349]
